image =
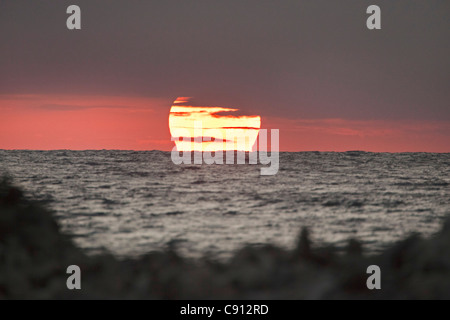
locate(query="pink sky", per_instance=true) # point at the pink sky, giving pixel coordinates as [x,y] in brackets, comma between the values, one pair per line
[45,122]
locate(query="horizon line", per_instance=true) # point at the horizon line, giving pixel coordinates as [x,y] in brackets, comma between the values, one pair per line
[149,150]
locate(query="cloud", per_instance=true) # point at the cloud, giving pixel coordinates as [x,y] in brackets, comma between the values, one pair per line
[367,135]
[63,102]
[66,107]
[200,139]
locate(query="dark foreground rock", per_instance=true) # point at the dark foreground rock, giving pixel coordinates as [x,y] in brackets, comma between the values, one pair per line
[34,256]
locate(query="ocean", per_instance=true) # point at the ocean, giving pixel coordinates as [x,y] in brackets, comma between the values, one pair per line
[133,202]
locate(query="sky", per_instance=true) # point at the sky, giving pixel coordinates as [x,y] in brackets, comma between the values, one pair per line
[309,68]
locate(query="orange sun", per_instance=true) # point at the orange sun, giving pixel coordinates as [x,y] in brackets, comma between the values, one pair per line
[202,128]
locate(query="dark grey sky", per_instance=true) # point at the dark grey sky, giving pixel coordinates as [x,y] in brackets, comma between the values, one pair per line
[287,58]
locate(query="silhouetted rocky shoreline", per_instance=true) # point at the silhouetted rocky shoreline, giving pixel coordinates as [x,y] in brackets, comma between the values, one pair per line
[34,256]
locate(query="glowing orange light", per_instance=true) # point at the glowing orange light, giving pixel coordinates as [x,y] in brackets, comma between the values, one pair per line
[218,131]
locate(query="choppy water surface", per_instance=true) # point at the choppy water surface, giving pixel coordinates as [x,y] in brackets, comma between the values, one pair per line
[133,202]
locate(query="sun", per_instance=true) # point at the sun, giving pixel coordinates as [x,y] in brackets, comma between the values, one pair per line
[206,128]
